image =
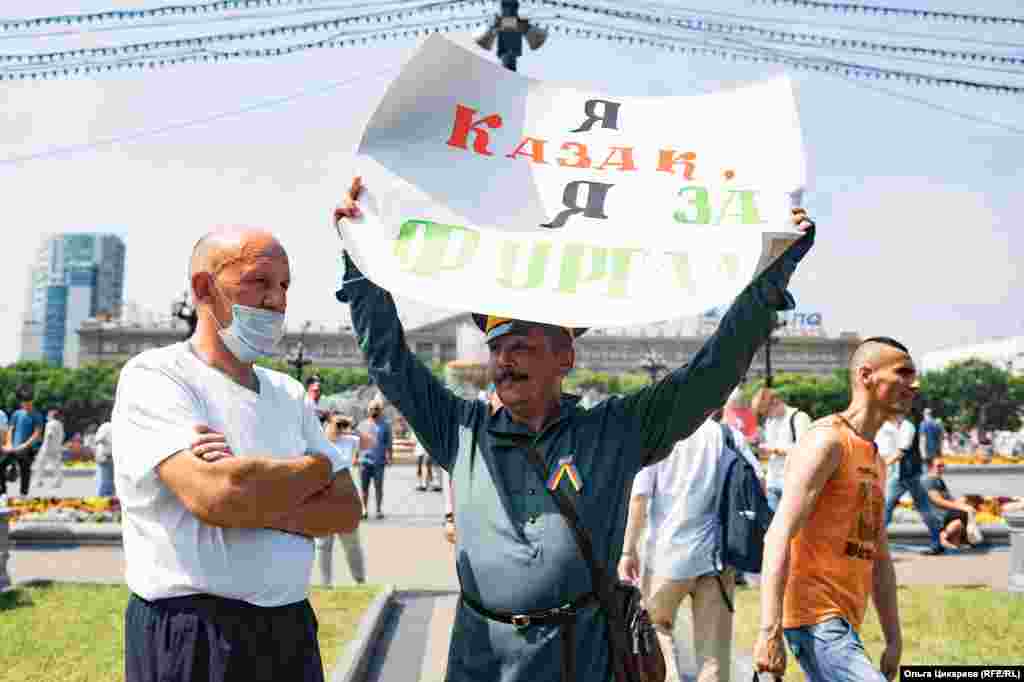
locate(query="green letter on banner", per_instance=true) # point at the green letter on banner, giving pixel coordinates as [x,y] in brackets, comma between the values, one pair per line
[700,201]
[683,272]
[536,266]
[572,265]
[747,213]
[622,260]
[431,259]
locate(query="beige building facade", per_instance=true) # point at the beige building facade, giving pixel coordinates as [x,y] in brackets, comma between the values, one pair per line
[598,350]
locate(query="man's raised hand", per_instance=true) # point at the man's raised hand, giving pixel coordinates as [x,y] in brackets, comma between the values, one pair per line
[350,207]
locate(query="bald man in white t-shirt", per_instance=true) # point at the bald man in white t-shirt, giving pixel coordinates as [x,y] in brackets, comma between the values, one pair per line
[225,477]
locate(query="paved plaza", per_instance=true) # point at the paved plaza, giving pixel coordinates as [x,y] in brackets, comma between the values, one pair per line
[406,549]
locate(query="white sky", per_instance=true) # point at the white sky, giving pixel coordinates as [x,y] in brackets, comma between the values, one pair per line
[919,210]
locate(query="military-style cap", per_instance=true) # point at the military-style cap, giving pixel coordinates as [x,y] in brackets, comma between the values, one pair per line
[493,326]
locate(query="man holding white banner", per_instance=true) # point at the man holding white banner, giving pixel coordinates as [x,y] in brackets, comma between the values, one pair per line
[551,210]
[527,610]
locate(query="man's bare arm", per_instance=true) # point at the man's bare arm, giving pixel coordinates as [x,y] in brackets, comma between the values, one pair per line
[244,492]
[807,472]
[883,592]
[942,503]
[334,510]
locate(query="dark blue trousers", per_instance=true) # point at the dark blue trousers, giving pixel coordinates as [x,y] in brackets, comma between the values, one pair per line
[203,638]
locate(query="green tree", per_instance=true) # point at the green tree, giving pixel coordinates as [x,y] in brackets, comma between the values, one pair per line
[974,393]
[816,395]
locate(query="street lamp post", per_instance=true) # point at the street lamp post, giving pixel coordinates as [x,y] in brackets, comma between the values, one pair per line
[509,30]
[298,359]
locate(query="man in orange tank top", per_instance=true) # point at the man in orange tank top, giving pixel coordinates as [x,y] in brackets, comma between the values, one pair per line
[827,549]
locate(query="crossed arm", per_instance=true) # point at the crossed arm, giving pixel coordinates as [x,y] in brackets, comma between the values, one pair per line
[296,495]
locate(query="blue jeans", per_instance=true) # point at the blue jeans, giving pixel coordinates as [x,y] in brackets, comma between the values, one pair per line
[774,495]
[105,478]
[894,489]
[831,652]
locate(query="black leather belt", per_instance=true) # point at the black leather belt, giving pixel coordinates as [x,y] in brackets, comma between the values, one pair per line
[560,614]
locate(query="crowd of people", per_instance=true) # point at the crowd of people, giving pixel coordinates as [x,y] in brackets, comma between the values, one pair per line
[232,479]
[34,448]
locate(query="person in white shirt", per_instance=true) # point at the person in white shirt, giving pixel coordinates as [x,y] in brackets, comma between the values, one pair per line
[894,436]
[102,446]
[338,429]
[783,428]
[49,461]
[681,543]
[225,477]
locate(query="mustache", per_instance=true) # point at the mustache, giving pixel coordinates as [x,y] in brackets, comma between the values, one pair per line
[501,375]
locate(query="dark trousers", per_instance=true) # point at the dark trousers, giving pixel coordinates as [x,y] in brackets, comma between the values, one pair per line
[203,638]
[24,466]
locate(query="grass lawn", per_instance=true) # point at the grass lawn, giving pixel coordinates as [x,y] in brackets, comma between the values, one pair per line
[75,633]
[941,625]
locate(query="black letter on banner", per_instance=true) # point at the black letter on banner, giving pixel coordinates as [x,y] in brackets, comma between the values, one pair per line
[609,117]
[596,193]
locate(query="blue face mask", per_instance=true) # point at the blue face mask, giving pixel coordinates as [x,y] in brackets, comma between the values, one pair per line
[254,332]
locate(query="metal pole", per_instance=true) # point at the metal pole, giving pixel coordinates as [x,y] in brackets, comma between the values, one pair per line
[510,38]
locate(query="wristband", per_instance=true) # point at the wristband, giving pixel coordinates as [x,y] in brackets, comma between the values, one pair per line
[449,517]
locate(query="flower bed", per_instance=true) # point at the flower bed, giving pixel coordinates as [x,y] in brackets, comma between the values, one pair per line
[66,509]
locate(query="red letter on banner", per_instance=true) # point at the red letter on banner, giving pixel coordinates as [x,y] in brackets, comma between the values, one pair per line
[464,124]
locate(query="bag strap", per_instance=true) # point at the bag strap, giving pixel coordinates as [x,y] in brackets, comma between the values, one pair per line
[598,579]
[792,425]
[723,490]
[725,595]
[600,584]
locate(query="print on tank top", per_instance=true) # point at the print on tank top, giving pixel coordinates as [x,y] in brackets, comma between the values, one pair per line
[863,538]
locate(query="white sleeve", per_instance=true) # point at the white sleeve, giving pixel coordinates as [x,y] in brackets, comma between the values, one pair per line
[643,483]
[317,441]
[906,434]
[155,416]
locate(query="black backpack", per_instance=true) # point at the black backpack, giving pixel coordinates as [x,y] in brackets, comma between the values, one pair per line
[743,514]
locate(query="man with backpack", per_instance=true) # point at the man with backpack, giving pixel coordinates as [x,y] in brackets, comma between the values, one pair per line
[784,425]
[683,551]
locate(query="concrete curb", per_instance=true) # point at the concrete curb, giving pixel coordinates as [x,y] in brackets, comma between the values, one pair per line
[51,532]
[354,660]
[28,533]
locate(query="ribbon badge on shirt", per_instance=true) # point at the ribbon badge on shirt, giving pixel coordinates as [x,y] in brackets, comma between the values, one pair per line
[566,468]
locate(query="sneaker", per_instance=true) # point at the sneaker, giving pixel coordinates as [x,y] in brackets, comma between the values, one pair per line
[380,515]
[366,515]
[437,488]
[420,487]
[934,551]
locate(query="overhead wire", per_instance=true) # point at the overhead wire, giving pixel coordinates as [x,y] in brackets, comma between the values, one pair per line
[675,9]
[333,23]
[159,130]
[912,77]
[887,10]
[755,54]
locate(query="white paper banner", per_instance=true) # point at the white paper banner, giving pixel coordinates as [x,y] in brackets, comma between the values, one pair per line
[495,193]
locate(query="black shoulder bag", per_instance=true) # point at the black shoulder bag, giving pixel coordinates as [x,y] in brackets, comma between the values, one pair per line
[635,653]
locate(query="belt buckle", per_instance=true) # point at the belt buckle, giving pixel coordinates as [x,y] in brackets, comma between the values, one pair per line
[521,621]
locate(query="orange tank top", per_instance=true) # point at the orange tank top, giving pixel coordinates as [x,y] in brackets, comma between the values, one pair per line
[832,557]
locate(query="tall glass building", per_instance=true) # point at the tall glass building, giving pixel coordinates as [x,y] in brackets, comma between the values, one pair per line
[75,276]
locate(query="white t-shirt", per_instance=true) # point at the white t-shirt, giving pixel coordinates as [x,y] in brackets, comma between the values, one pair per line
[778,434]
[162,395]
[682,530]
[103,442]
[53,440]
[348,446]
[893,437]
